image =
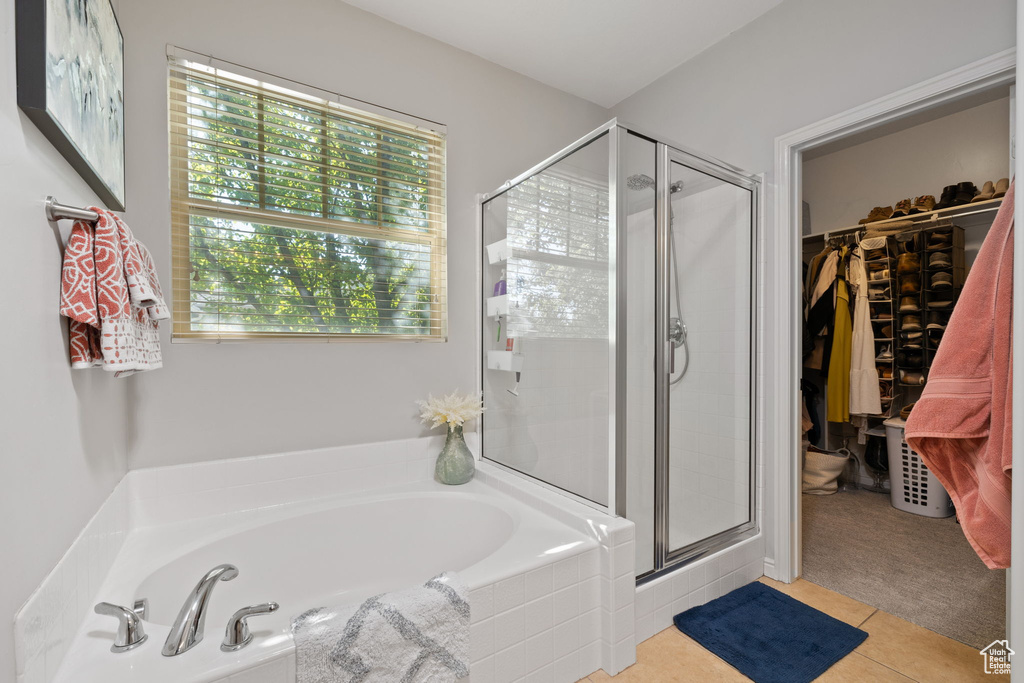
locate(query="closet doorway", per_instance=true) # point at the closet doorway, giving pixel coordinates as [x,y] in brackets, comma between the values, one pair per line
[857,539]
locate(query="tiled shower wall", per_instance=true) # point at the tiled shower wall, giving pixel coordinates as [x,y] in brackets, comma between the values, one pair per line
[710,406]
[709,416]
[556,429]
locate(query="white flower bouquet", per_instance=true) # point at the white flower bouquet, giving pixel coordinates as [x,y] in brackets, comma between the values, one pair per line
[454,409]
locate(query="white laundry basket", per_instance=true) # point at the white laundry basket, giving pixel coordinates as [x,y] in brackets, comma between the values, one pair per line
[912,487]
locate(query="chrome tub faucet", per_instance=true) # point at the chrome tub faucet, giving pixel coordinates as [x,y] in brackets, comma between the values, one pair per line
[188,627]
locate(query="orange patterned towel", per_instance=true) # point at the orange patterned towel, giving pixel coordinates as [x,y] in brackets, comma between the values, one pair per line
[110,292]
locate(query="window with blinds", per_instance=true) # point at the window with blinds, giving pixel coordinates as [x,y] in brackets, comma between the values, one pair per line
[558,232]
[295,217]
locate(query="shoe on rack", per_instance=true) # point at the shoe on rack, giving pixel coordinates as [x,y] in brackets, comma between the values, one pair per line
[937,241]
[910,359]
[988,190]
[942,281]
[880,274]
[947,198]
[886,353]
[879,213]
[940,259]
[937,320]
[934,337]
[905,411]
[910,323]
[1002,186]
[902,208]
[908,263]
[965,192]
[912,377]
[941,304]
[909,303]
[884,371]
[910,284]
[923,204]
[878,293]
[874,255]
[883,315]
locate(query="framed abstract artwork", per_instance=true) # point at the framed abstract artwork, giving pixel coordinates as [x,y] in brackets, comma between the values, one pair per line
[71,85]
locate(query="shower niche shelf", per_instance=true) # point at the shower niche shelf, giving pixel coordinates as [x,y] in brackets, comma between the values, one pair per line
[497,252]
[509,361]
[497,305]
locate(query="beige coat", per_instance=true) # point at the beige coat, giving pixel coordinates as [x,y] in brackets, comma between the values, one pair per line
[864,391]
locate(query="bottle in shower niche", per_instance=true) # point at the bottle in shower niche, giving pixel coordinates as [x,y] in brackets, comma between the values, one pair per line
[501,286]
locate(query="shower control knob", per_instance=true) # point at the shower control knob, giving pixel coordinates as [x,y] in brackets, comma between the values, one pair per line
[237,634]
[130,633]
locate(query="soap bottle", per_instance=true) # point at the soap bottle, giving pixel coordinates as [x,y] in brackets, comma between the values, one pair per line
[501,287]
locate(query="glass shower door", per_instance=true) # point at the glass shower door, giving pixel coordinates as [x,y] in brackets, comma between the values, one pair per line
[707,379]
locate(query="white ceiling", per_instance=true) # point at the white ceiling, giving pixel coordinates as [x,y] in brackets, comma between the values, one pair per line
[600,50]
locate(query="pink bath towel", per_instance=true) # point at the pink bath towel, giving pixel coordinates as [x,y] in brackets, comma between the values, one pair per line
[111,294]
[961,427]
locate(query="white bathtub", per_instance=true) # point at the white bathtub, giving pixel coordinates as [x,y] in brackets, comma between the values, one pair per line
[333,550]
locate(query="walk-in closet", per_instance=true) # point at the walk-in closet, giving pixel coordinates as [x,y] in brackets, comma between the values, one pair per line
[893,221]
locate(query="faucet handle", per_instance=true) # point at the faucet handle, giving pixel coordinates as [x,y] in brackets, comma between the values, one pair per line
[141,608]
[237,634]
[130,633]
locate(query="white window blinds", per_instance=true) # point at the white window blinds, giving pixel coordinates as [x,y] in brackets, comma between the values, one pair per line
[558,232]
[297,217]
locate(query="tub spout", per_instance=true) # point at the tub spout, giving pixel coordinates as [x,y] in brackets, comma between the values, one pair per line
[188,627]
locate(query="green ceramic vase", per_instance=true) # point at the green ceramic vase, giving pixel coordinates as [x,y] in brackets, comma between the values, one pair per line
[456,464]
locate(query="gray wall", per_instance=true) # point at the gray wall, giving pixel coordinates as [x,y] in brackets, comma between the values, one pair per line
[215,401]
[63,433]
[801,62]
[841,187]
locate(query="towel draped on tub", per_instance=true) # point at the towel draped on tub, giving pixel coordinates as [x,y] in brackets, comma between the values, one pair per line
[411,636]
[961,427]
[110,292]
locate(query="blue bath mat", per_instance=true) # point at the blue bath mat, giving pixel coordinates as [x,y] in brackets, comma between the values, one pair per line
[768,636]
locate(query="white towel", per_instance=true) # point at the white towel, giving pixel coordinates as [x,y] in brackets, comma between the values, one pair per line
[409,636]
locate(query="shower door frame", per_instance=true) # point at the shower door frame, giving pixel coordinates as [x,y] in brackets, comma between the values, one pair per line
[667,559]
[667,152]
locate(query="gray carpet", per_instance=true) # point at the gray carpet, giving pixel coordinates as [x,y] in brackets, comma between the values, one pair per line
[918,568]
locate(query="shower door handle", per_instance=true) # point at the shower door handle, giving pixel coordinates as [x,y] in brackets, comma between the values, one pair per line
[670,349]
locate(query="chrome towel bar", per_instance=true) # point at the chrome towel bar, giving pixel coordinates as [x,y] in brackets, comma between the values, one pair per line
[56,211]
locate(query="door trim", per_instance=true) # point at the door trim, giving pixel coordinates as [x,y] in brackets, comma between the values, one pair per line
[995,71]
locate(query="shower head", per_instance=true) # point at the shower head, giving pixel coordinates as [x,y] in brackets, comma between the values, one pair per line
[639,181]
[642,181]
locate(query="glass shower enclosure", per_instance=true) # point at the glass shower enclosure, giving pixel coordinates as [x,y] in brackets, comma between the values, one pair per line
[618,326]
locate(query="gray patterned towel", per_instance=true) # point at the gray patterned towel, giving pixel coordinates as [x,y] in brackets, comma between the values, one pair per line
[421,634]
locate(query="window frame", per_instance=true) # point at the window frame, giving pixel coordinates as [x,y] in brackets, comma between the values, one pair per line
[183,206]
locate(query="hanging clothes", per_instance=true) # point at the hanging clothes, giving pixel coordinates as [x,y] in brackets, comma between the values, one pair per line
[962,425]
[864,395]
[820,315]
[838,390]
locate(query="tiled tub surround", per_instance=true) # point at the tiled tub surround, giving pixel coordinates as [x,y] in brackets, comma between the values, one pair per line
[553,602]
[46,624]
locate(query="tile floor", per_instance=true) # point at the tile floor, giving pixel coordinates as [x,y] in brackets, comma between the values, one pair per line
[895,650]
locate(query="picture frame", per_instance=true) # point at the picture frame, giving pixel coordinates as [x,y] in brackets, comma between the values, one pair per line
[70,70]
